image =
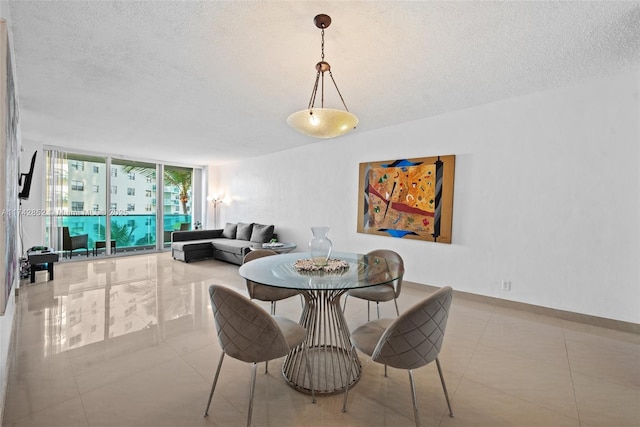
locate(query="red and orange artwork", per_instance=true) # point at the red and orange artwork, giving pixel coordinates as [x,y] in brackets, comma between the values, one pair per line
[404,198]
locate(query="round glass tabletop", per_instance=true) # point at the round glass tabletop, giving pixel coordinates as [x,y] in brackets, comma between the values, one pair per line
[280,271]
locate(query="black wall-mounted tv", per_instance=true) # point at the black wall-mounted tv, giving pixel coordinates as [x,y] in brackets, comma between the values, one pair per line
[26,187]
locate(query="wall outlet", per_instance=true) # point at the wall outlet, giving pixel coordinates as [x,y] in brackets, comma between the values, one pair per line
[506,285]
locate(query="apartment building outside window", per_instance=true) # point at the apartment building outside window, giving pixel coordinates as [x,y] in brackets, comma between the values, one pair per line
[76,165]
[131,191]
[77,185]
[96,169]
[132,176]
[131,207]
[114,172]
[114,189]
[77,206]
[96,188]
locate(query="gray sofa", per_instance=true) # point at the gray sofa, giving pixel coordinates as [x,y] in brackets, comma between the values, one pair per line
[229,244]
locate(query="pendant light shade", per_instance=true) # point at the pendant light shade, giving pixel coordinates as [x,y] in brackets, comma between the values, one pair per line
[323,122]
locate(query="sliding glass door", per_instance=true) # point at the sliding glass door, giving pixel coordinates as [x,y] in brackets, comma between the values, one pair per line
[75,198]
[133,204]
[118,198]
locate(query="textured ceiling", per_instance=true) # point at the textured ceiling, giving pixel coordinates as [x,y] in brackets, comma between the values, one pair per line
[209,82]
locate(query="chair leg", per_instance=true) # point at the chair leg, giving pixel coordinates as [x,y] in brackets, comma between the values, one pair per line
[344,307]
[213,386]
[368,311]
[415,401]
[378,308]
[273,313]
[253,389]
[444,387]
[395,301]
[346,390]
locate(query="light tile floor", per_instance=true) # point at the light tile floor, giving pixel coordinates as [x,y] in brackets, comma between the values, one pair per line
[130,341]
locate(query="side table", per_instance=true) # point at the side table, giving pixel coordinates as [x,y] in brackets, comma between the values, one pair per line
[280,247]
[42,260]
[101,244]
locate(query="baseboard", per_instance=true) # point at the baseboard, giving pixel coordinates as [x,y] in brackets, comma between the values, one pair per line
[603,322]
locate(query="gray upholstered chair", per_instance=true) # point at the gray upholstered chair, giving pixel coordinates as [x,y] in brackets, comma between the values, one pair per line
[71,243]
[380,293]
[248,333]
[263,292]
[410,341]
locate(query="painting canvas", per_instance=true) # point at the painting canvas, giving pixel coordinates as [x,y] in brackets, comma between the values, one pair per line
[407,198]
[8,171]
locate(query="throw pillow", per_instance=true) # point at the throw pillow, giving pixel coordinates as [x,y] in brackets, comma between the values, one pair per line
[229,231]
[261,233]
[244,231]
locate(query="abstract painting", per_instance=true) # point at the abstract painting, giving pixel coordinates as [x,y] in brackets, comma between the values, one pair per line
[9,172]
[407,198]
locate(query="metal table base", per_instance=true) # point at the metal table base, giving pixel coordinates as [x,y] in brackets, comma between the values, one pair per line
[329,347]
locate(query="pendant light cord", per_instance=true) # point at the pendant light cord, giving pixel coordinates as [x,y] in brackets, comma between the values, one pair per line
[320,73]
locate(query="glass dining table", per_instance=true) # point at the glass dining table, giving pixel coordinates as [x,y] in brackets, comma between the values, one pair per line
[328,336]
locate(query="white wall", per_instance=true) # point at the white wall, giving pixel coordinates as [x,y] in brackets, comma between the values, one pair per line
[546,196]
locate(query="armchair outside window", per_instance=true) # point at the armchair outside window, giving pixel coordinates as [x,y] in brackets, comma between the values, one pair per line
[71,243]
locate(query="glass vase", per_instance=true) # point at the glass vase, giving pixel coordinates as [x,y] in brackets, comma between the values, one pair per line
[320,246]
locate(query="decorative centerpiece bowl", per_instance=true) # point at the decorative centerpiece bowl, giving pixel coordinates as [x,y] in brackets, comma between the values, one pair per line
[309,266]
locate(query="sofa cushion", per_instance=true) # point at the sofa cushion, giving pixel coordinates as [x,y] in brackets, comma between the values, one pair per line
[244,231]
[192,244]
[181,236]
[229,245]
[261,233]
[229,231]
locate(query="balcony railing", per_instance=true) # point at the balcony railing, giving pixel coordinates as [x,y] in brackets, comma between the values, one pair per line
[131,232]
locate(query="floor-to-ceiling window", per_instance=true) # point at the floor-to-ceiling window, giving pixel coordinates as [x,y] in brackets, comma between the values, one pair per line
[119,198]
[75,196]
[133,204]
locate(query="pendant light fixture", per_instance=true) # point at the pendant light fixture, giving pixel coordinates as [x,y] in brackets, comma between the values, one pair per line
[323,122]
